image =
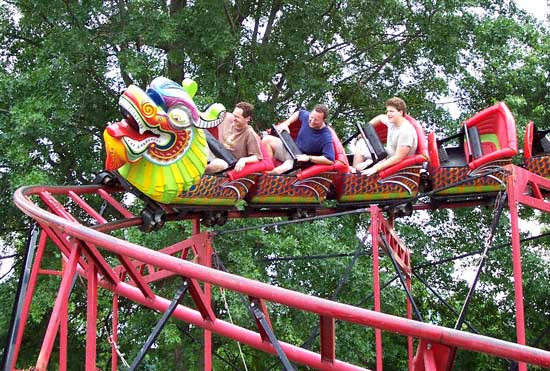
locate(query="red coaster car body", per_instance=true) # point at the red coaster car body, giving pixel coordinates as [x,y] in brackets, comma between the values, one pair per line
[487,142]
[536,150]
[399,181]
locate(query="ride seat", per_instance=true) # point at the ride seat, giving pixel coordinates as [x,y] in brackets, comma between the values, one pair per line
[418,158]
[340,165]
[536,142]
[265,164]
[490,135]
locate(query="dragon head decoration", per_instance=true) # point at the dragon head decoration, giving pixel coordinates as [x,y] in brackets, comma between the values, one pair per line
[159,146]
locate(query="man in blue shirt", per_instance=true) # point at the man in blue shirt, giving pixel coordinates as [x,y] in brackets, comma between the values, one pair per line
[314,140]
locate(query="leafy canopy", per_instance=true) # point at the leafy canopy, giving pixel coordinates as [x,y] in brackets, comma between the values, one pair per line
[64,64]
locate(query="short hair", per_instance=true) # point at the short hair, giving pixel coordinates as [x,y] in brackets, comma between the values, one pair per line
[321,108]
[247,108]
[398,103]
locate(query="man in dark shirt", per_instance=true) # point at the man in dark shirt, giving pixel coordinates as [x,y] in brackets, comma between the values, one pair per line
[314,140]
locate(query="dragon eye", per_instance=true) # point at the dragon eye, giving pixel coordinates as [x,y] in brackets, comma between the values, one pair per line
[179,117]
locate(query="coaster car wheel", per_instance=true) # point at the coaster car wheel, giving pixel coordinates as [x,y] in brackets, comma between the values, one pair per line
[301,214]
[211,218]
[208,220]
[152,220]
[221,218]
[105,178]
[425,182]
[401,210]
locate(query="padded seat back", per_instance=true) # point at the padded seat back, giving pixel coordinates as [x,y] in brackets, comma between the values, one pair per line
[433,151]
[528,140]
[382,132]
[536,142]
[496,129]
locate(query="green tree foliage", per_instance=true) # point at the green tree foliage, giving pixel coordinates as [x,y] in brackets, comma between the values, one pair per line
[65,63]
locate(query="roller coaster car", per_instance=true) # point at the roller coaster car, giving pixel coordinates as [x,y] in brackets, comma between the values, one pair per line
[308,185]
[228,188]
[536,150]
[400,181]
[487,141]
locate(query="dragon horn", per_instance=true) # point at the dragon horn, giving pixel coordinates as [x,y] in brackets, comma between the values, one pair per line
[190,87]
[207,124]
[212,117]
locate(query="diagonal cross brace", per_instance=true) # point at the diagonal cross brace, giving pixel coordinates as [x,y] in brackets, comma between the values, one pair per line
[160,324]
[260,318]
[401,278]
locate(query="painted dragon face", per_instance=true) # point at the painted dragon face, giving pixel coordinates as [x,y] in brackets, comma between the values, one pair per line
[159,124]
[159,143]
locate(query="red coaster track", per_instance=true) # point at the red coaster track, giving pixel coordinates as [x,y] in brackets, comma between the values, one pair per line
[87,249]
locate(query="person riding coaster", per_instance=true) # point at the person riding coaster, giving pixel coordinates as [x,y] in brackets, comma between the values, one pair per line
[160,149]
[235,147]
[389,160]
[310,181]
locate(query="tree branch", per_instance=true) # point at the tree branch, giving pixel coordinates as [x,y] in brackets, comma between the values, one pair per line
[227,10]
[2,257]
[275,7]
[8,272]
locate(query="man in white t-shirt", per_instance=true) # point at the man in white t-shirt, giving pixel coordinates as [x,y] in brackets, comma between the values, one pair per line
[402,140]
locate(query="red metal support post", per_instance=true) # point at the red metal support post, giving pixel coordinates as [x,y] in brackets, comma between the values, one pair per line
[525,188]
[518,283]
[375,215]
[114,336]
[91,318]
[400,255]
[62,297]
[205,258]
[410,348]
[63,331]
[328,339]
[516,262]
[429,359]
[29,295]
